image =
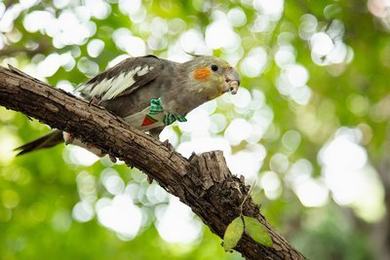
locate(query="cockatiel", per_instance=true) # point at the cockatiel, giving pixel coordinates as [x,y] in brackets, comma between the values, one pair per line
[150,93]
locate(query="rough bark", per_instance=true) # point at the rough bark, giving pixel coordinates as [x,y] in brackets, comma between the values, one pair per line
[203,182]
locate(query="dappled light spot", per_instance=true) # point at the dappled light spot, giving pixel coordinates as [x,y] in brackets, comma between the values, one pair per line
[117,60]
[159,27]
[176,223]
[37,20]
[321,44]
[299,171]
[349,175]
[292,83]
[297,75]
[261,119]
[88,67]
[220,34]
[49,65]
[8,142]
[6,115]
[327,46]
[69,28]
[9,16]
[2,9]
[61,221]
[380,112]
[380,8]
[238,130]
[247,161]
[10,198]
[83,211]
[125,41]
[312,193]
[112,181]
[254,64]
[61,3]
[285,55]
[169,134]
[98,8]
[291,140]
[358,104]
[197,124]
[258,99]
[279,163]
[130,7]
[308,26]
[203,144]
[176,26]
[95,47]
[120,215]
[79,156]
[65,86]
[192,41]
[218,123]
[273,9]
[237,17]
[345,145]
[156,195]
[271,184]
[262,24]
[86,187]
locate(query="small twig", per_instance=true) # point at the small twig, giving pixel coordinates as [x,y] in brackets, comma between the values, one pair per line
[247,195]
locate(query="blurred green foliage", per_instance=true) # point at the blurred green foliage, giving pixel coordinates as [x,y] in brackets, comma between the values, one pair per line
[39,191]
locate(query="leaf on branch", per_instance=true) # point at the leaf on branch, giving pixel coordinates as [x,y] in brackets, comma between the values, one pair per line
[233,233]
[257,231]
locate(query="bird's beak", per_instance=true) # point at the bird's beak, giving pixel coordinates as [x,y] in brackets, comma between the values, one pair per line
[232,81]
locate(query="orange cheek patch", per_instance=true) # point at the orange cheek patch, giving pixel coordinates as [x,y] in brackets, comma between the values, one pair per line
[202,74]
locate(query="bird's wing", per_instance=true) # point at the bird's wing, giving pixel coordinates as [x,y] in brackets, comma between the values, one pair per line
[122,79]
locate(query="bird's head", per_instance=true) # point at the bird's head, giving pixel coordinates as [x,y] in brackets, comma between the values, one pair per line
[213,76]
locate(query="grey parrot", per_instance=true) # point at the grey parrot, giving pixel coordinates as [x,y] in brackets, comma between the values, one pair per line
[150,93]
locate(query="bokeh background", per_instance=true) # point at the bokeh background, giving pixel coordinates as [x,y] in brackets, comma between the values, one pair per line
[309,127]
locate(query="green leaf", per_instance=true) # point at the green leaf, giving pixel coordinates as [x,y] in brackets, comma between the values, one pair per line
[233,233]
[257,231]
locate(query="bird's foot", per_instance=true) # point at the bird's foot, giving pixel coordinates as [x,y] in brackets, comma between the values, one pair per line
[93,101]
[150,179]
[112,158]
[168,145]
[68,138]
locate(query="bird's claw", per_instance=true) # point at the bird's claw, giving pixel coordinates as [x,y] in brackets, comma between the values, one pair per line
[93,101]
[112,158]
[68,138]
[150,179]
[168,145]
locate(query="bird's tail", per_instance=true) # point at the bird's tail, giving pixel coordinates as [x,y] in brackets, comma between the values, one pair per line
[46,141]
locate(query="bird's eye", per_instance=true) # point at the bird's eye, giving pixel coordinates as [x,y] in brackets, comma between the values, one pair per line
[214,67]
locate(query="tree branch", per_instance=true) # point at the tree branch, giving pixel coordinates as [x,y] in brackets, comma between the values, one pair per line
[203,182]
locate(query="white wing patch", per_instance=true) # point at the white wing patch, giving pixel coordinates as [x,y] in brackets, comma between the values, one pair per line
[99,89]
[110,88]
[144,70]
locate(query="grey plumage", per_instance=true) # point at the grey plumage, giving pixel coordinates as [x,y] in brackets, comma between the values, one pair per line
[45,141]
